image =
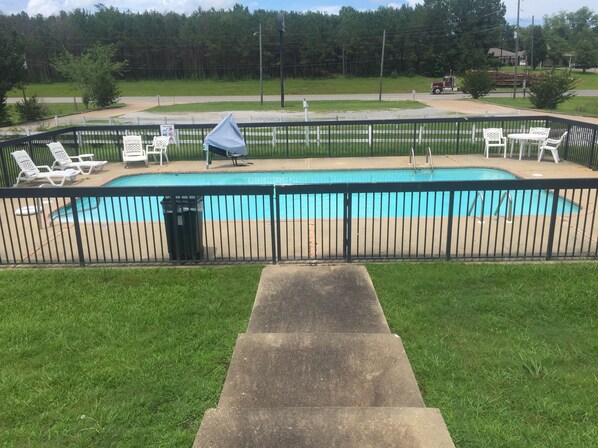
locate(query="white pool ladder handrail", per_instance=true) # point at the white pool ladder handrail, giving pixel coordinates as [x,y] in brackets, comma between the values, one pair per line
[429,160]
[412,159]
[509,215]
[480,196]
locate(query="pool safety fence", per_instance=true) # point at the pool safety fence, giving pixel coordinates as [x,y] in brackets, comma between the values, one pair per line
[498,220]
[280,140]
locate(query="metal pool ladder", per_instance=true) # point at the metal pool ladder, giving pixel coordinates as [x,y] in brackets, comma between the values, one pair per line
[509,215]
[429,160]
[412,159]
[480,196]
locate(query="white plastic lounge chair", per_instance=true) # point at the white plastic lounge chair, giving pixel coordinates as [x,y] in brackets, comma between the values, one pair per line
[159,147]
[551,145]
[64,161]
[133,150]
[31,172]
[494,139]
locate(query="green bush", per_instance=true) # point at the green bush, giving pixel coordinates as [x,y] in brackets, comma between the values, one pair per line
[30,109]
[551,88]
[477,83]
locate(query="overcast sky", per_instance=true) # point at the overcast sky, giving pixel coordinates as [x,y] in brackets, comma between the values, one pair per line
[529,8]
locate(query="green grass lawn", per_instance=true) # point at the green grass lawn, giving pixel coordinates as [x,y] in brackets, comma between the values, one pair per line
[507,352]
[116,357]
[579,105]
[293,106]
[293,86]
[133,357]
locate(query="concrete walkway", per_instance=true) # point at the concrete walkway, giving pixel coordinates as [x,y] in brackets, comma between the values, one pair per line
[318,367]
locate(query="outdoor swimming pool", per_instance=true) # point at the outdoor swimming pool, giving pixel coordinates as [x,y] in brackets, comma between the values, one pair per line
[324,205]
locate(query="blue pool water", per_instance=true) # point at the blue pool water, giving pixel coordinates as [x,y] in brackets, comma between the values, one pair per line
[365,205]
[311,177]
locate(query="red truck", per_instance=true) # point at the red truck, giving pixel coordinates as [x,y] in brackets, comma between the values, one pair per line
[448,82]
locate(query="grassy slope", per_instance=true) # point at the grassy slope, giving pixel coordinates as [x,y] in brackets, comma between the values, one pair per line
[133,357]
[507,352]
[116,357]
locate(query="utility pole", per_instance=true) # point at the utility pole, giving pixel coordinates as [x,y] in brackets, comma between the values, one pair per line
[516,51]
[532,43]
[280,26]
[261,68]
[382,65]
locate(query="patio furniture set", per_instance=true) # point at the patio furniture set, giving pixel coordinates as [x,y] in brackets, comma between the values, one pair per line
[133,150]
[538,137]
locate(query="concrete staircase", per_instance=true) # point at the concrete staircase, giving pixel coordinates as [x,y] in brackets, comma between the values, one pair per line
[318,367]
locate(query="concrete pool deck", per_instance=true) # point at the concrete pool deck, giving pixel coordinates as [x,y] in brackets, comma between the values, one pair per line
[525,169]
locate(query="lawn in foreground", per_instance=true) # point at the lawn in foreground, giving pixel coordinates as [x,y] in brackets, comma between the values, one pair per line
[116,357]
[133,357]
[507,352]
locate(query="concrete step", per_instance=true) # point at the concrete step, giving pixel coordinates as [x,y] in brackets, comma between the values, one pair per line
[323,428]
[316,299]
[314,370]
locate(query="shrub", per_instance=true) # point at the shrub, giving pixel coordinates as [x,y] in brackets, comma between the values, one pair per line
[30,109]
[551,88]
[477,83]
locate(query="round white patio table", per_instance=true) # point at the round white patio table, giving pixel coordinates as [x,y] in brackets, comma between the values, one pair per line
[523,139]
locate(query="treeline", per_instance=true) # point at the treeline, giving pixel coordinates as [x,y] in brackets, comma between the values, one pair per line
[427,39]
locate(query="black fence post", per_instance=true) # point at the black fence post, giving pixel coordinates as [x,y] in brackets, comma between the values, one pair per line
[77,227]
[4,167]
[275,225]
[347,227]
[449,228]
[592,149]
[552,225]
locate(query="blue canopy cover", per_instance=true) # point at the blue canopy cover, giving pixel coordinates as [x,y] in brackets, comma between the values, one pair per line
[226,139]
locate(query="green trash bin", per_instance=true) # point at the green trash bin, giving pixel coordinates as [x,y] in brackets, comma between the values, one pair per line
[183,219]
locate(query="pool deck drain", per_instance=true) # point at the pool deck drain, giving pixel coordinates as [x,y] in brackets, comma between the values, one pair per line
[319,367]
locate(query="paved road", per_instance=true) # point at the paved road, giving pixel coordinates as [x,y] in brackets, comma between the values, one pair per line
[151,101]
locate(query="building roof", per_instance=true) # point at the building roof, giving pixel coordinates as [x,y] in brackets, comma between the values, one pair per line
[502,53]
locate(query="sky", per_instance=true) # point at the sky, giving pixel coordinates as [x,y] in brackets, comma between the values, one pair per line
[529,8]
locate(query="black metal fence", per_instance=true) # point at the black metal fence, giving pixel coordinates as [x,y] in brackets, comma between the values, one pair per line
[445,136]
[545,219]
[476,220]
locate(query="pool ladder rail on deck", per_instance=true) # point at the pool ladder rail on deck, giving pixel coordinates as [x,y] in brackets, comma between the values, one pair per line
[429,160]
[505,196]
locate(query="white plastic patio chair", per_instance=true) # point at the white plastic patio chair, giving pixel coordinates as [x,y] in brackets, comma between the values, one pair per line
[133,150]
[544,132]
[493,138]
[159,147]
[63,161]
[31,172]
[551,145]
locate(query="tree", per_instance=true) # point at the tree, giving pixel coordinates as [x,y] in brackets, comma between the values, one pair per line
[477,83]
[12,68]
[93,73]
[552,88]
